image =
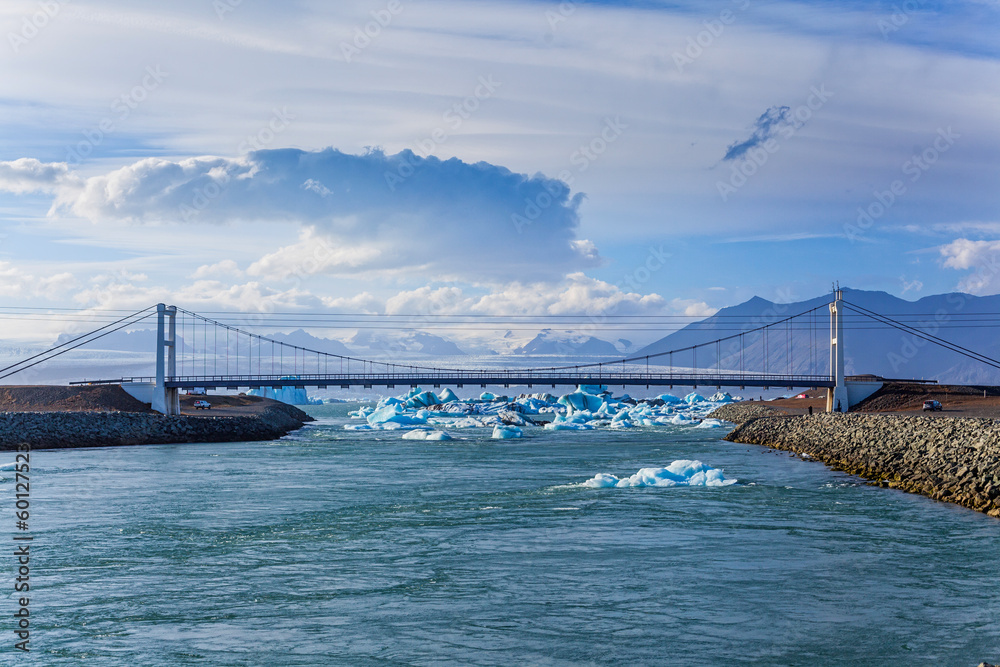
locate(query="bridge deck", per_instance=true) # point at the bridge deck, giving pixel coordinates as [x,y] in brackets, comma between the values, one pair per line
[484,378]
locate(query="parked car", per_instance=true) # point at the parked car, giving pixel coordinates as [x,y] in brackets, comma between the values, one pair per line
[202,405]
[932,405]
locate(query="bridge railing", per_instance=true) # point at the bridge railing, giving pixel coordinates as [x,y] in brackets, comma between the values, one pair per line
[498,377]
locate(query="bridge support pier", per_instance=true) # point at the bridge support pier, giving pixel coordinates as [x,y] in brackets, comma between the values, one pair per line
[166,400]
[836,397]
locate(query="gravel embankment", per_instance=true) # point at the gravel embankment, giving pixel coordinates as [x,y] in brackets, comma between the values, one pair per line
[59,430]
[955,460]
[741,412]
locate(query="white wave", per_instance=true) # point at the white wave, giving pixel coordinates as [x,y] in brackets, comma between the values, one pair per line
[678,473]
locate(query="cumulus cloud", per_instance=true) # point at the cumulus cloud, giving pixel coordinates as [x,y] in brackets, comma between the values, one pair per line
[314,253]
[31,175]
[576,294]
[980,257]
[226,267]
[692,308]
[764,128]
[444,218]
[18,284]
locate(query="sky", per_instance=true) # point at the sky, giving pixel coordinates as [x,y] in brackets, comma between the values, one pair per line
[495,157]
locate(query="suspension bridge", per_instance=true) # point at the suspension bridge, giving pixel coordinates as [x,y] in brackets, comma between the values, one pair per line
[198,352]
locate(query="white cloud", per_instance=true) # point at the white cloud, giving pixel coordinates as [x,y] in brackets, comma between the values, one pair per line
[15,283]
[31,175]
[965,254]
[313,254]
[577,294]
[692,308]
[981,257]
[377,212]
[226,267]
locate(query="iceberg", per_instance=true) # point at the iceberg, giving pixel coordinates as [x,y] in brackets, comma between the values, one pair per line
[507,432]
[448,396]
[423,399]
[693,398]
[393,414]
[678,473]
[581,401]
[289,395]
[426,435]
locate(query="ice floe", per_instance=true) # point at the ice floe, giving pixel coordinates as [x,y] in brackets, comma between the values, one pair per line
[589,407]
[420,434]
[507,432]
[678,473]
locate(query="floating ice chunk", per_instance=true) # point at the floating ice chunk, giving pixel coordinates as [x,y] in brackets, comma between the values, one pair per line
[393,414]
[487,396]
[466,422]
[721,397]
[678,473]
[622,423]
[709,423]
[447,396]
[681,420]
[383,414]
[390,400]
[591,388]
[580,401]
[424,399]
[567,426]
[669,398]
[8,467]
[358,427]
[693,398]
[361,413]
[506,432]
[426,435]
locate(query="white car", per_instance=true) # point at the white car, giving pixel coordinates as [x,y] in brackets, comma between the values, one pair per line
[202,405]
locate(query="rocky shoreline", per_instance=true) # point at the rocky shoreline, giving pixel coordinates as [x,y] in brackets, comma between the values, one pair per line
[62,430]
[955,460]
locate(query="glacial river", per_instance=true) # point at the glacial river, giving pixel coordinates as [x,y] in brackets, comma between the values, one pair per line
[334,547]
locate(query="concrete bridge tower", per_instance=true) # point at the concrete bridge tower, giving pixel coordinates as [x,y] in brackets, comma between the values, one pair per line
[166,401]
[837,398]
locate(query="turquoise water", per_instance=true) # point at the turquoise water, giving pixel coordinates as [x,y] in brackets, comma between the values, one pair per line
[351,548]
